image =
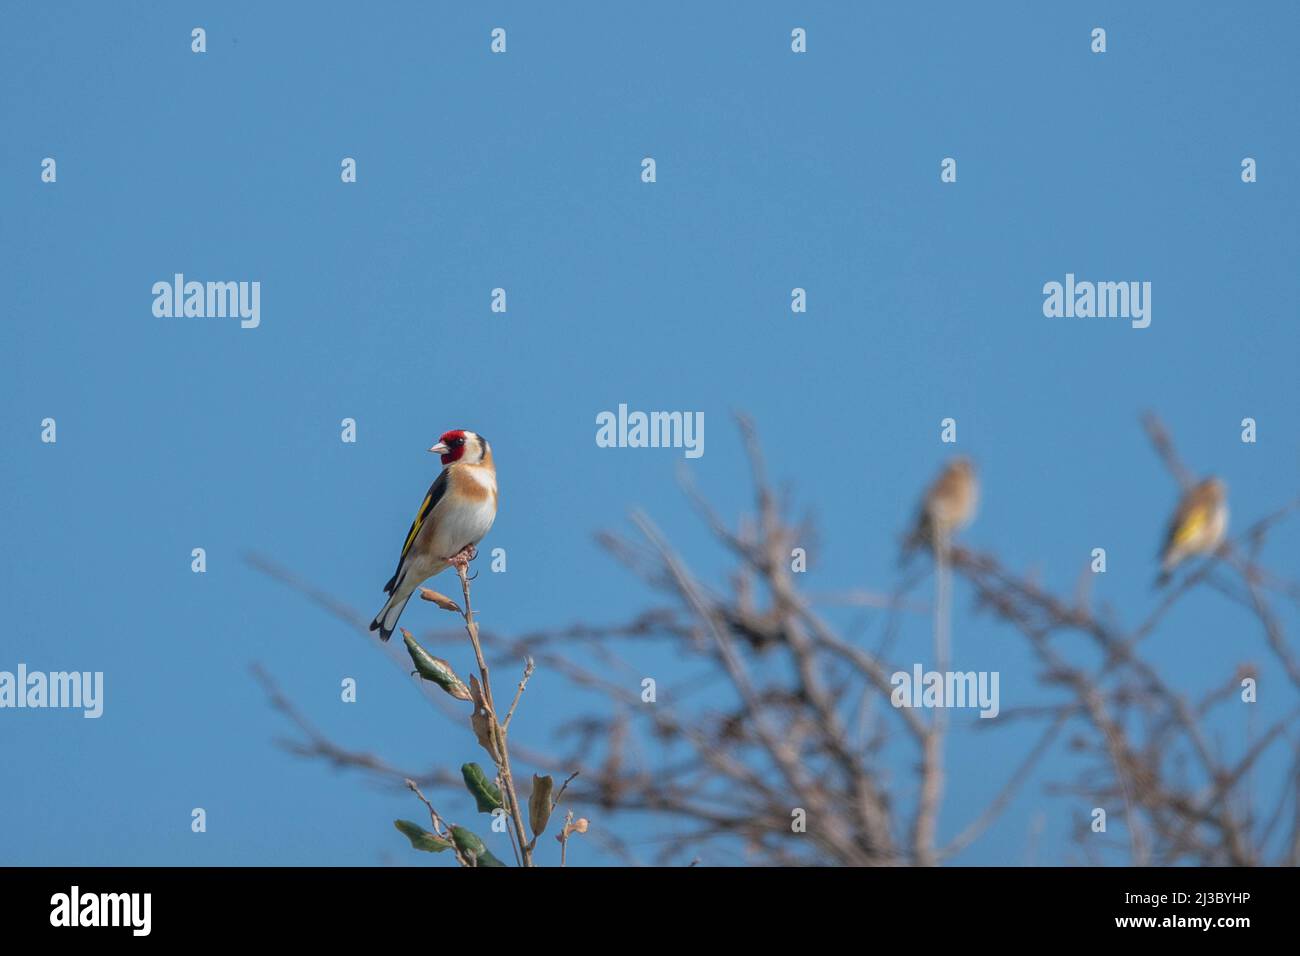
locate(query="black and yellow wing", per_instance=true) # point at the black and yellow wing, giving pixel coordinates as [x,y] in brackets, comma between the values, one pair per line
[1190,519]
[436,491]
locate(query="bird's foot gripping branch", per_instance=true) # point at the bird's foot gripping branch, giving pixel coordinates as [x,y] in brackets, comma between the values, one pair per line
[461,559]
[494,793]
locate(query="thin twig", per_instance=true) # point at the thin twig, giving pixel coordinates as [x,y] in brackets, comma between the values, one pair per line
[529,666]
[498,732]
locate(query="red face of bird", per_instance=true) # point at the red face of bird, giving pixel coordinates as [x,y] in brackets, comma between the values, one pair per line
[460,445]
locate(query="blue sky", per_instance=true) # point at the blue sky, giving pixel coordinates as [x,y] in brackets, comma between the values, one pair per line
[522,171]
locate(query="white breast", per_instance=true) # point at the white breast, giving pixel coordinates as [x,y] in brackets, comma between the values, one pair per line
[459,523]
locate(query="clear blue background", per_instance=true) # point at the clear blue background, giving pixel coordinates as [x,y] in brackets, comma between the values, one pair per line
[523,171]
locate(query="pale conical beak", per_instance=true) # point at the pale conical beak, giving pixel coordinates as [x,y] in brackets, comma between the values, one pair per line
[440,448]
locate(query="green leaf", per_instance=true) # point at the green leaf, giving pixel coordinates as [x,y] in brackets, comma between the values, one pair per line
[421,838]
[472,848]
[486,794]
[435,669]
[539,804]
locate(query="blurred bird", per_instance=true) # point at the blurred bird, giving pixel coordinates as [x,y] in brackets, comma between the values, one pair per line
[1197,527]
[457,512]
[948,506]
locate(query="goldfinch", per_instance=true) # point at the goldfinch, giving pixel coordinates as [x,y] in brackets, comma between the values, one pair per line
[948,506]
[457,512]
[1197,527]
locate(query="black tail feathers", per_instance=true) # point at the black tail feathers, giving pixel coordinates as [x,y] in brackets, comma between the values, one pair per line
[377,625]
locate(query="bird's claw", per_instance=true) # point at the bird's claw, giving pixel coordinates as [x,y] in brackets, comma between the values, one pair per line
[463,557]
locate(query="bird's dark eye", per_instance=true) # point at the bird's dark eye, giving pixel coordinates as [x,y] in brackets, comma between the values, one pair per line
[457,442]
